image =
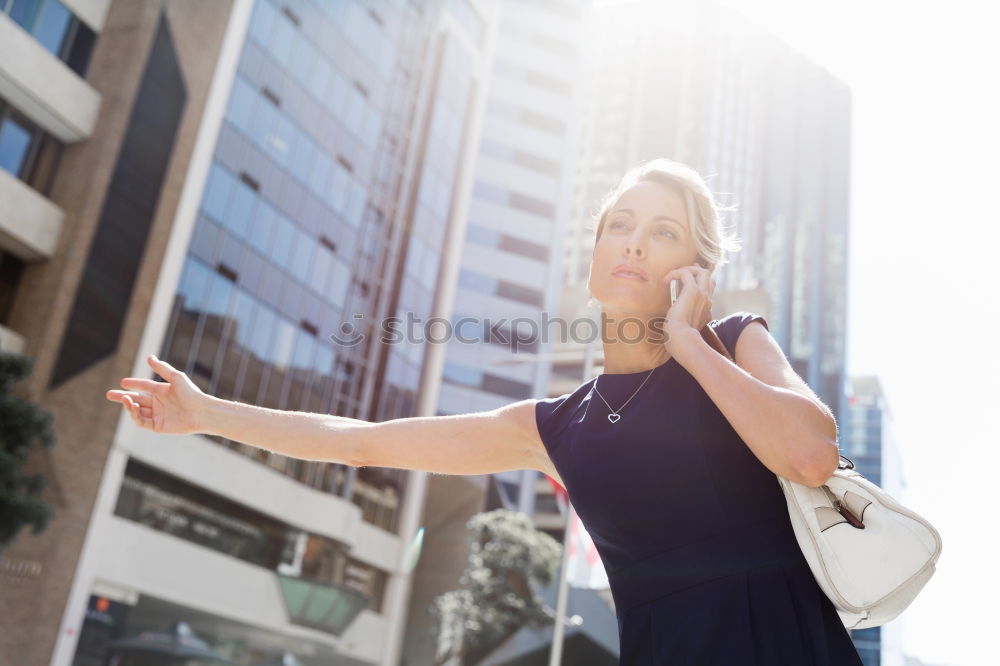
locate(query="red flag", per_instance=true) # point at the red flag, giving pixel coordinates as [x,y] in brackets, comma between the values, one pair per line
[585,568]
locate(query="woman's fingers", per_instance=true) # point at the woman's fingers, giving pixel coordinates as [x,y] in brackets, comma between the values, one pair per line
[142,416]
[130,405]
[147,385]
[143,400]
[702,277]
[162,368]
[137,394]
[695,280]
[707,285]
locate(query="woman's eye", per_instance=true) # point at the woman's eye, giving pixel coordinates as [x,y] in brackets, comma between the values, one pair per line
[617,224]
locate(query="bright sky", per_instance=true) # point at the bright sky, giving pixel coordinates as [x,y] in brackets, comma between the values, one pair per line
[923,308]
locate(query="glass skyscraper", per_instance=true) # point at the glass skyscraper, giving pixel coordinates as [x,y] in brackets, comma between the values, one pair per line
[868,439]
[326,175]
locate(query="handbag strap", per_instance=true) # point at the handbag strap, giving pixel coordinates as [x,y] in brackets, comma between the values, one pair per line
[709,335]
[712,338]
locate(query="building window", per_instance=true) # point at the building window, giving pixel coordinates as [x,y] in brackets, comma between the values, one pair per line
[476,281]
[367,580]
[516,292]
[56,28]
[378,492]
[26,151]
[11,269]
[460,374]
[520,158]
[522,202]
[506,387]
[523,247]
[168,504]
[482,235]
[532,205]
[482,381]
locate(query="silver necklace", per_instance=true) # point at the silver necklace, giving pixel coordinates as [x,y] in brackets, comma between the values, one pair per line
[615,415]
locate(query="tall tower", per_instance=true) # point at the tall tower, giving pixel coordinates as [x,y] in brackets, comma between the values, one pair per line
[868,439]
[509,272]
[770,132]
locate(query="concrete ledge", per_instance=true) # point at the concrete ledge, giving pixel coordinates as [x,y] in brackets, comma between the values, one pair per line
[11,341]
[233,475]
[43,88]
[91,12]
[139,559]
[30,224]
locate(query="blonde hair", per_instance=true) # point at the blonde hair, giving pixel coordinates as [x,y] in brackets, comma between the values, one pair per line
[703,210]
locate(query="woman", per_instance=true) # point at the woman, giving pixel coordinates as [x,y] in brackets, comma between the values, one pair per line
[669,455]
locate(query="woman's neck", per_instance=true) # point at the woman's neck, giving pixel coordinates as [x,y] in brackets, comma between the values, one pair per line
[632,343]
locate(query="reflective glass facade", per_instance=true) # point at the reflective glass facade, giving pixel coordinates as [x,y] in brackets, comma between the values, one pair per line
[768,130]
[518,210]
[451,81]
[294,230]
[867,438]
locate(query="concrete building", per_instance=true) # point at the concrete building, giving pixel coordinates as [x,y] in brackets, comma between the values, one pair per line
[509,275]
[101,107]
[241,183]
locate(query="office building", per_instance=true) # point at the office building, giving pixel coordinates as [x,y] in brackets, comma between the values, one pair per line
[97,126]
[244,187]
[768,129]
[509,274]
[868,439]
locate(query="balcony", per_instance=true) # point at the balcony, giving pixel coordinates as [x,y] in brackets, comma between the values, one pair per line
[44,88]
[10,341]
[30,224]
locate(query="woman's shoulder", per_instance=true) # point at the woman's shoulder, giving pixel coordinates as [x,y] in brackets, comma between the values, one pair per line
[729,327]
[740,317]
[565,402]
[554,414]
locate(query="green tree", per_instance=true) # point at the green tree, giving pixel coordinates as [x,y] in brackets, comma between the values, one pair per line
[508,558]
[22,423]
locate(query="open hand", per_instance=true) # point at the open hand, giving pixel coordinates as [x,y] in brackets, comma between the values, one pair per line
[173,407]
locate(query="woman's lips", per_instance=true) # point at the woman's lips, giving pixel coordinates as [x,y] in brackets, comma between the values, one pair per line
[629,276]
[630,272]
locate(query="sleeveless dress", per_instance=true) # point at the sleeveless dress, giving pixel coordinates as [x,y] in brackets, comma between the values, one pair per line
[692,529]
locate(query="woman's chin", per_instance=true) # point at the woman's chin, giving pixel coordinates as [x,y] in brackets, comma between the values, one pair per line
[619,302]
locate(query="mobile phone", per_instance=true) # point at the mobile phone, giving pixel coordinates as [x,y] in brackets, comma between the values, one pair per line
[675,290]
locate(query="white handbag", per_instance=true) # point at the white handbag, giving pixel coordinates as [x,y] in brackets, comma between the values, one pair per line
[869,553]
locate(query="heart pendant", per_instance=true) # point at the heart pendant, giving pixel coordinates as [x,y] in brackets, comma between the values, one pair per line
[614,417]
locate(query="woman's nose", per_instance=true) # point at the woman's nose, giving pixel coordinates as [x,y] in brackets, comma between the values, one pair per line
[634,246]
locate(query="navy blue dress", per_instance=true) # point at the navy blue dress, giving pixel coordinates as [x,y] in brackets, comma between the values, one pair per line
[692,528]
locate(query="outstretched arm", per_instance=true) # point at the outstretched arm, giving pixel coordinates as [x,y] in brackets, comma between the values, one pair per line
[475,443]
[497,440]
